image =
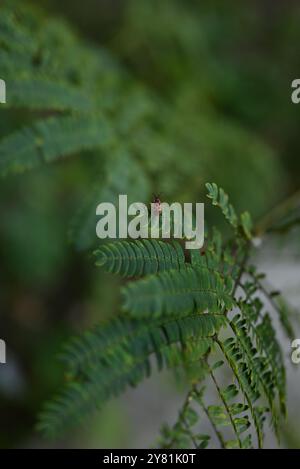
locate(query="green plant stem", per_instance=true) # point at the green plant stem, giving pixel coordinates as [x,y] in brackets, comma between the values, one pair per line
[266,294]
[181,419]
[226,407]
[242,269]
[217,432]
[266,222]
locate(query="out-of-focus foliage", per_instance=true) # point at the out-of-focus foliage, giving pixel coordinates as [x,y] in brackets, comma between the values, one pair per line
[150,96]
[232,59]
[91,102]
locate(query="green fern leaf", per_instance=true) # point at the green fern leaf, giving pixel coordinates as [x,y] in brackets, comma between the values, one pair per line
[111,358]
[177,292]
[43,94]
[138,258]
[50,139]
[221,199]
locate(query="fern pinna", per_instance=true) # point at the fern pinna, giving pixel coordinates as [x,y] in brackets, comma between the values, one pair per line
[201,314]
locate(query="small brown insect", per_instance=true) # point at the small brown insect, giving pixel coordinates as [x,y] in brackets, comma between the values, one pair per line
[157,203]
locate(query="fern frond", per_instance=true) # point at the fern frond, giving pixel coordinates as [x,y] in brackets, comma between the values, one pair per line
[260,327]
[257,365]
[243,376]
[117,355]
[283,310]
[221,199]
[14,64]
[46,95]
[139,258]
[177,292]
[175,314]
[111,338]
[262,368]
[13,34]
[183,432]
[228,414]
[50,139]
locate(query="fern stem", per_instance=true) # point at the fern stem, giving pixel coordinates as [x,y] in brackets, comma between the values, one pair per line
[242,269]
[234,330]
[182,416]
[181,419]
[264,225]
[226,407]
[217,432]
[266,294]
[258,433]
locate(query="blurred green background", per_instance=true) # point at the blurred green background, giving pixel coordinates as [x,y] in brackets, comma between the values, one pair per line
[206,88]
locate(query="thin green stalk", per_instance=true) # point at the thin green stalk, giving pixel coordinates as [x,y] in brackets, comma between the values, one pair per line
[227,408]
